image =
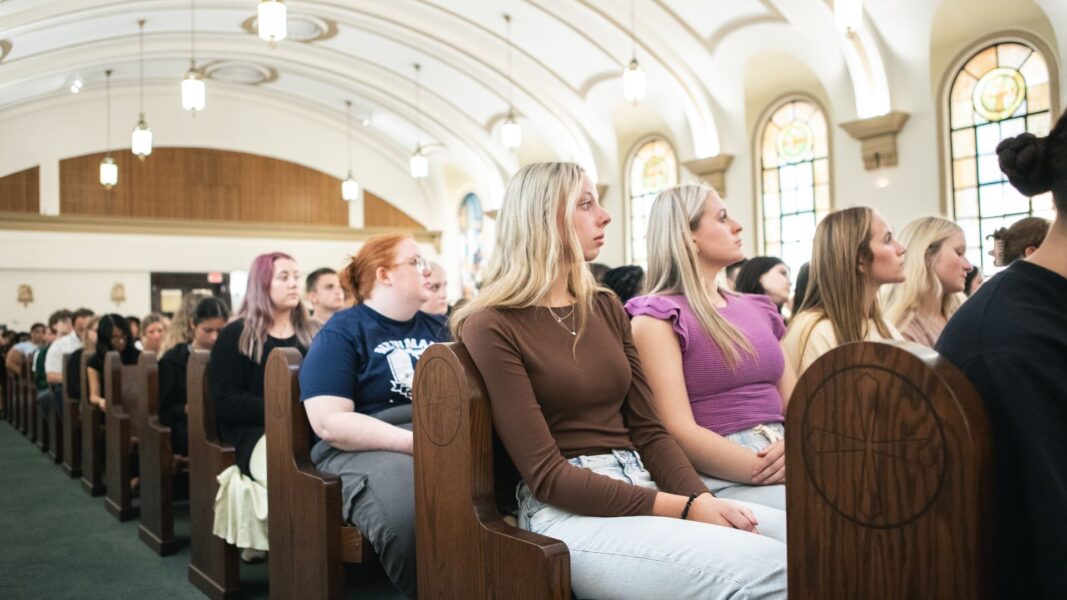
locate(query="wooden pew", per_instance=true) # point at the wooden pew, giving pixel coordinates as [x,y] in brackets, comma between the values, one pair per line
[16,388]
[213,567]
[40,419]
[121,427]
[54,423]
[158,465]
[93,446]
[310,542]
[72,427]
[465,548]
[30,415]
[889,492]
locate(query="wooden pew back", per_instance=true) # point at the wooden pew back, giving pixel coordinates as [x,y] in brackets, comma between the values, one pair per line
[29,415]
[309,539]
[889,477]
[158,468]
[213,567]
[122,418]
[465,548]
[93,446]
[72,428]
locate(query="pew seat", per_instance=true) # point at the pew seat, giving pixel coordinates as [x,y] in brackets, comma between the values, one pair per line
[161,471]
[122,426]
[92,436]
[72,428]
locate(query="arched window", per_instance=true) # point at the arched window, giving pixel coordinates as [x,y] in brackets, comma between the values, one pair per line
[653,168]
[795,180]
[1001,91]
[471,223]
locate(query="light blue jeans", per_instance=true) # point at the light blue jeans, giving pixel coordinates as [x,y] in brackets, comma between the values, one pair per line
[767,495]
[660,557]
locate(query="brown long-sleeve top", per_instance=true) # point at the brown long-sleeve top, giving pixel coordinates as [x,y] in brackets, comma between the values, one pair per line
[550,404]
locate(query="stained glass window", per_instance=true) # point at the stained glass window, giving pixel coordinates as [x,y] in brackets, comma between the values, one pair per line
[1002,91]
[795,180]
[471,224]
[652,169]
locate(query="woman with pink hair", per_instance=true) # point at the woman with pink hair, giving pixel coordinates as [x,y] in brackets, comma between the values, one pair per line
[272,316]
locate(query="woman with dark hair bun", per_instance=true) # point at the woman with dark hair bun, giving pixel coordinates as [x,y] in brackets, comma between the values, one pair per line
[766,275]
[1010,339]
[113,333]
[208,318]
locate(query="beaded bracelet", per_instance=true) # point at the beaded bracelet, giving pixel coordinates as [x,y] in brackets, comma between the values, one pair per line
[689,504]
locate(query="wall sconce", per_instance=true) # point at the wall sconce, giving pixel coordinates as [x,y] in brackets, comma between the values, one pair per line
[25,294]
[118,293]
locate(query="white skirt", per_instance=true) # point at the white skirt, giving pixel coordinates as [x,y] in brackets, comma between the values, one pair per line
[241,504]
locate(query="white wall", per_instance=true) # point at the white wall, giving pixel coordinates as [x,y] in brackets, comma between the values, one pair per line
[70,270]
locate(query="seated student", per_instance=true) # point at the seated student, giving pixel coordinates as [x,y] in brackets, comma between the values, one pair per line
[135,329]
[974,280]
[88,338]
[1010,339]
[67,341]
[181,330]
[112,333]
[571,405]
[153,331]
[25,349]
[324,293]
[731,274]
[271,316]
[767,275]
[1020,240]
[712,359]
[356,388]
[854,254]
[800,290]
[438,283]
[208,318]
[626,281]
[935,274]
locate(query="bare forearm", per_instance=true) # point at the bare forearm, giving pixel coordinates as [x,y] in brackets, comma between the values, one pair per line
[358,432]
[717,456]
[54,378]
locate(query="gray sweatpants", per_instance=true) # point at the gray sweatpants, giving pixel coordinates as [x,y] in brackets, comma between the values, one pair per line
[378,490]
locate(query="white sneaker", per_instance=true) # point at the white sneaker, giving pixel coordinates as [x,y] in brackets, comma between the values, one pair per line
[252,556]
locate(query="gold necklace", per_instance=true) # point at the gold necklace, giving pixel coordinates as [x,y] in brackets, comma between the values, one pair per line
[560,320]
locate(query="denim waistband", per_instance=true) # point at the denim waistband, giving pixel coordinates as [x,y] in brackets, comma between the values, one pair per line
[624,458]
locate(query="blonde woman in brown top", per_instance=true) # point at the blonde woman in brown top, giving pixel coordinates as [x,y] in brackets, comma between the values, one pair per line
[935,273]
[572,407]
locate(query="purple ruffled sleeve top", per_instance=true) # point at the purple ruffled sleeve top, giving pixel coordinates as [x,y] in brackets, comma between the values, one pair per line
[724,399]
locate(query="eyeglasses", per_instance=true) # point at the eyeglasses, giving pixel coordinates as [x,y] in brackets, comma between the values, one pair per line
[420,263]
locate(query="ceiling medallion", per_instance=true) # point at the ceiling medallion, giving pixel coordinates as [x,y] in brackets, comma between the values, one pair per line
[300,28]
[244,73]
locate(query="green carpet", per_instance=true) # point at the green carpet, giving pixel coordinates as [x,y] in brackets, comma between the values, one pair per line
[57,542]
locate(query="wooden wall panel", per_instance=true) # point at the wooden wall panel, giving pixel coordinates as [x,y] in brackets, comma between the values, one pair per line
[21,191]
[203,184]
[379,213]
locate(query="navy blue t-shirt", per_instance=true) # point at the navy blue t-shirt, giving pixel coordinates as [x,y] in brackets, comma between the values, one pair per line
[368,358]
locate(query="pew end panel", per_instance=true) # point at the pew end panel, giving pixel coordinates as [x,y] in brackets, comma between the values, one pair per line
[120,421]
[158,468]
[93,442]
[213,566]
[465,548]
[309,538]
[72,428]
[889,493]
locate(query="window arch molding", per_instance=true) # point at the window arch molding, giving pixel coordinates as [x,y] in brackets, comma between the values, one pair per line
[757,161]
[628,209]
[944,115]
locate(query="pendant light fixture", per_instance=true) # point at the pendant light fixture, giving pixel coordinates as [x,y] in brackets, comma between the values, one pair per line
[511,131]
[109,171]
[271,20]
[848,16]
[634,82]
[142,135]
[194,92]
[350,187]
[419,166]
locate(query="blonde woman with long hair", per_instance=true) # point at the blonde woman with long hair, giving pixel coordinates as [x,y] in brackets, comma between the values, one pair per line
[935,274]
[853,255]
[711,356]
[572,407]
[182,330]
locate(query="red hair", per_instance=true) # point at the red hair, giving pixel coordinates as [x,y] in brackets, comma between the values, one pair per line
[377,252]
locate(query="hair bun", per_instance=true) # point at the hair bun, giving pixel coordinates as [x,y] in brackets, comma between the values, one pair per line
[1023,160]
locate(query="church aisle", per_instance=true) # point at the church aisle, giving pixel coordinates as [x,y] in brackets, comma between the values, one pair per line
[56,542]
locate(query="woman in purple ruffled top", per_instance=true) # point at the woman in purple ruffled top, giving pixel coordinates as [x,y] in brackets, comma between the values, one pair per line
[712,357]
